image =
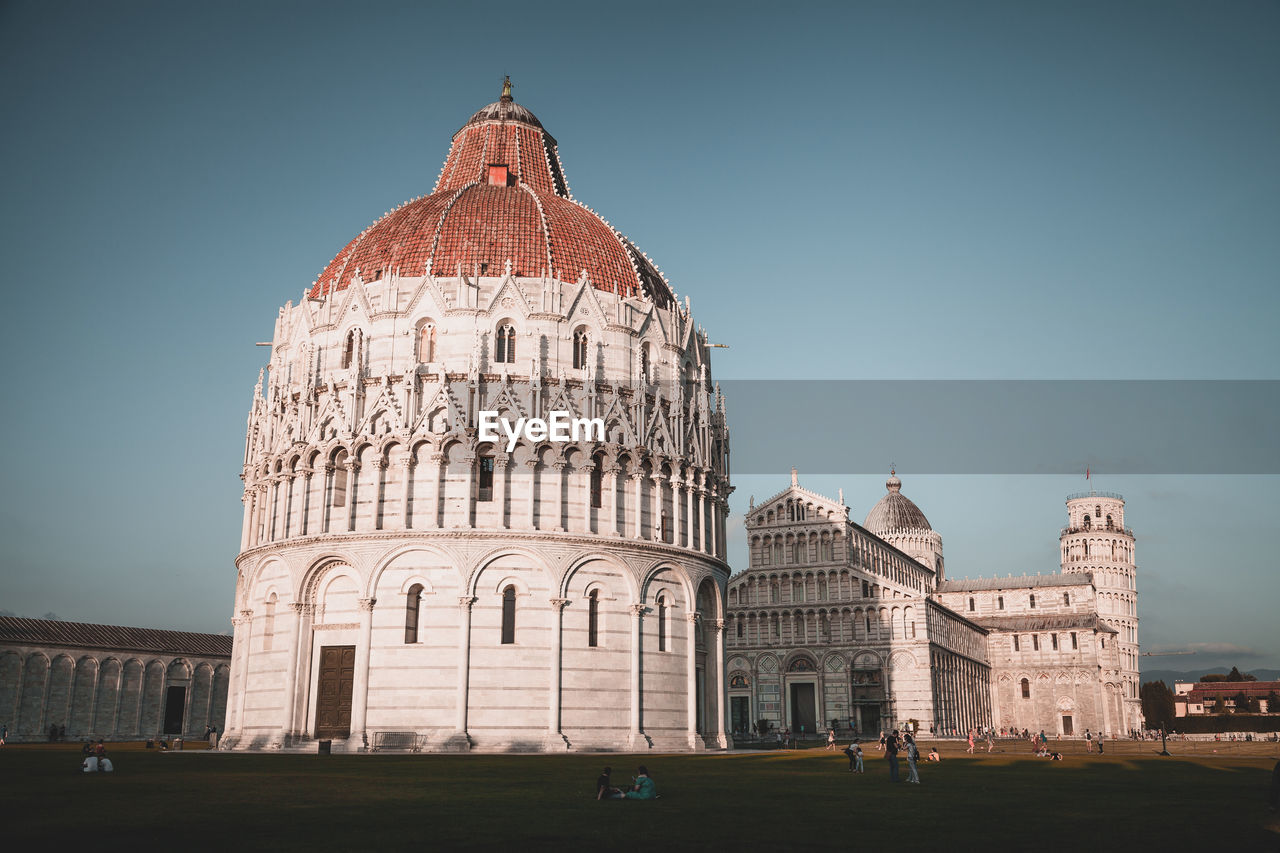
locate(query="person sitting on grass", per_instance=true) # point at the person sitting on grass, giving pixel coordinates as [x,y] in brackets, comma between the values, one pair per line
[643,789]
[933,754]
[604,787]
[1055,756]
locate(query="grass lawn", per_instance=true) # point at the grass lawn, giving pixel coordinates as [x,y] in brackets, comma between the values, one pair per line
[773,800]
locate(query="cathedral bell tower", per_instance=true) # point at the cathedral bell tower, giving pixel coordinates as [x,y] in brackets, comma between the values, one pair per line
[1097,541]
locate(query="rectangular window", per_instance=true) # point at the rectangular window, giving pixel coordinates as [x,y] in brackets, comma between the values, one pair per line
[1054,639]
[1016,647]
[1000,602]
[485,479]
[1074,643]
[1035,642]
[1033,602]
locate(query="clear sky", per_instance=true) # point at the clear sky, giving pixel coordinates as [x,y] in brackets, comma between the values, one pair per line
[886,190]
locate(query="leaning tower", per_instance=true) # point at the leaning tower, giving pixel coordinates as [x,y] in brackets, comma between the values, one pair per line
[1097,541]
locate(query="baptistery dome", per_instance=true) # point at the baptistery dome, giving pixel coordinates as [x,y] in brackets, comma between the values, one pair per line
[501,199]
[408,579]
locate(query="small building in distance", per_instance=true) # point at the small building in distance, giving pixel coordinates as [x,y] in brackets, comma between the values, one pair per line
[1194,698]
[109,682]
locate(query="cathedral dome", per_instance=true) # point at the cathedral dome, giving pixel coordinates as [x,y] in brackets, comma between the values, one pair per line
[501,204]
[895,511]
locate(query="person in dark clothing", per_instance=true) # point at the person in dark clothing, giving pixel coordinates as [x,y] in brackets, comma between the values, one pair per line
[604,787]
[891,753]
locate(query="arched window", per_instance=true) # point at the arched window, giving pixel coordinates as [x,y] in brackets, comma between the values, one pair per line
[1026,689]
[644,361]
[509,615]
[1033,601]
[662,623]
[1110,523]
[593,618]
[1088,522]
[798,552]
[1017,647]
[971,607]
[1066,598]
[579,349]
[505,352]
[1053,639]
[413,602]
[427,343]
[484,477]
[349,350]
[1086,548]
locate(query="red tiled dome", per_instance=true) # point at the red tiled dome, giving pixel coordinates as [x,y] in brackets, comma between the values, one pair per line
[501,197]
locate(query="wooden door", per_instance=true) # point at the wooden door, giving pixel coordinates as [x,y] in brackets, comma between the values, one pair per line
[333,693]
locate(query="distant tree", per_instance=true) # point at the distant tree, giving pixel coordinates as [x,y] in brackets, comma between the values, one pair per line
[1212,677]
[1236,675]
[1157,704]
[1273,702]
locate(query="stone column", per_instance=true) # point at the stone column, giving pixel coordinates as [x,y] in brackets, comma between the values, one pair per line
[243,636]
[531,509]
[353,492]
[500,463]
[713,523]
[612,476]
[460,741]
[374,522]
[285,735]
[360,687]
[637,529]
[304,505]
[406,489]
[433,491]
[689,520]
[677,499]
[655,513]
[326,499]
[554,738]
[558,524]
[691,680]
[703,539]
[587,471]
[246,534]
[637,732]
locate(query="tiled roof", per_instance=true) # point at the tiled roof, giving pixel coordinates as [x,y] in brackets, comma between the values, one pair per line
[467,222]
[1017,582]
[1046,622]
[46,632]
[1231,688]
[895,511]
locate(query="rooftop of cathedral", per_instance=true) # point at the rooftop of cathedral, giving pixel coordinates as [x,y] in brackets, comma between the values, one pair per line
[15,630]
[1045,622]
[501,204]
[1015,582]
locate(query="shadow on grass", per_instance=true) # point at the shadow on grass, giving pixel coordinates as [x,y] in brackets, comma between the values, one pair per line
[791,800]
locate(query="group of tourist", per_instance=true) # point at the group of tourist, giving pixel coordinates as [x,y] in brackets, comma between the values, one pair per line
[93,758]
[642,786]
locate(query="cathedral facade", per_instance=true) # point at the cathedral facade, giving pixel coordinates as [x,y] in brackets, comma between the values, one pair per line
[404,582]
[836,623]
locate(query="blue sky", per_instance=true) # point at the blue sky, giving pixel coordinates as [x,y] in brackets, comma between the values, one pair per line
[846,191]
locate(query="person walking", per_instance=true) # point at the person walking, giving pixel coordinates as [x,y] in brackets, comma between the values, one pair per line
[1088,740]
[881,745]
[831,739]
[970,749]
[913,755]
[990,742]
[891,753]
